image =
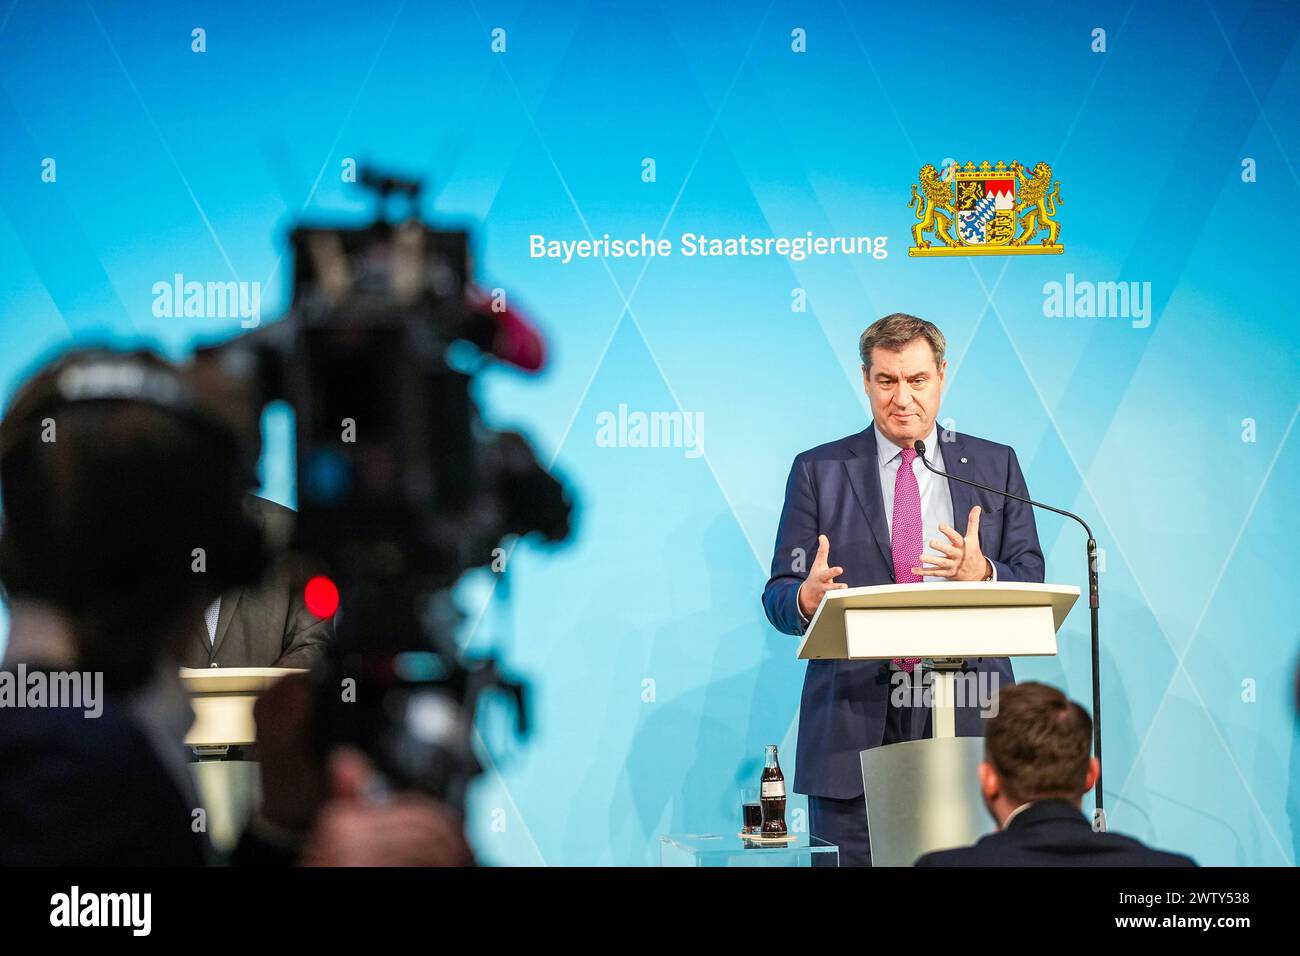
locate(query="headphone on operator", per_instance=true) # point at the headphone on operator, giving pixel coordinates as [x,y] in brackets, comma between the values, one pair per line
[239,554]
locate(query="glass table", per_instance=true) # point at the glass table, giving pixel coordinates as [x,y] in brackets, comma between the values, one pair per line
[731,849]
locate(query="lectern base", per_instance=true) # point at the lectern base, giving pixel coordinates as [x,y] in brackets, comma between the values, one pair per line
[923,795]
[228,790]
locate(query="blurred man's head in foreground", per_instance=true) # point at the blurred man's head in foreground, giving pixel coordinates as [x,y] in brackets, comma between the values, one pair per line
[122,490]
[1038,747]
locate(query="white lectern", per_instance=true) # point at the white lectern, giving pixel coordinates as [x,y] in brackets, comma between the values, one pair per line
[223,699]
[924,795]
[223,729]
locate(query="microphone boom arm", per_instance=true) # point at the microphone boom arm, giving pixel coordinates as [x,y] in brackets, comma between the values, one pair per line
[1094,602]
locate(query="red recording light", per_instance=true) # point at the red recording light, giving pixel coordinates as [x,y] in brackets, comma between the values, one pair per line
[321,597]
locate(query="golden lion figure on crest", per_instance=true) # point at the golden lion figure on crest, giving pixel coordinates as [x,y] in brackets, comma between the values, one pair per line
[1033,195]
[938,197]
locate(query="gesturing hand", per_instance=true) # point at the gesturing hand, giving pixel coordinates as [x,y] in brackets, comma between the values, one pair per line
[960,557]
[821,578]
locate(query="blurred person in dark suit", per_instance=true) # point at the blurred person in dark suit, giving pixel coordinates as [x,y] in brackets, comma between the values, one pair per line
[115,470]
[266,625]
[1037,767]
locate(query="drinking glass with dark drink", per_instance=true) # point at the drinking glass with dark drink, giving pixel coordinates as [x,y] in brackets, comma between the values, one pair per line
[751,811]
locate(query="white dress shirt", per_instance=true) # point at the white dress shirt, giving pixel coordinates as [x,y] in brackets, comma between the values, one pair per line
[210,619]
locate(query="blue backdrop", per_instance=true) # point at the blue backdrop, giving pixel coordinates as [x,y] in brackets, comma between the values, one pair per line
[133,148]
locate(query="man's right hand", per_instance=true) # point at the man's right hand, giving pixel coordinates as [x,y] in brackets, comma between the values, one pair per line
[821,578]
[358,827]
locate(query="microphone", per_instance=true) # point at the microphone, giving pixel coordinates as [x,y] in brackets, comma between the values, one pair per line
[1094,602]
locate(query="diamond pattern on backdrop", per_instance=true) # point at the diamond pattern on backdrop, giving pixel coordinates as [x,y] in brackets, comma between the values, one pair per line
[744,144]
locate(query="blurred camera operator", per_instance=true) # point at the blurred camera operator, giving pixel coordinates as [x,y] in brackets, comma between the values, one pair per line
[115,471]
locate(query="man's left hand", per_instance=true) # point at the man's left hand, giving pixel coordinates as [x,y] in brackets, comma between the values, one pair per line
[960,557]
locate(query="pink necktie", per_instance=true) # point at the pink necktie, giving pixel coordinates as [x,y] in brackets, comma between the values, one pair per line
[906,538]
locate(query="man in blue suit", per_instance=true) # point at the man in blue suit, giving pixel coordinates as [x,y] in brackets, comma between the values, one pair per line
[868,497]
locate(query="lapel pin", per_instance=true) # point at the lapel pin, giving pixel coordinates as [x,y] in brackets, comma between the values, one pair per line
[963,461]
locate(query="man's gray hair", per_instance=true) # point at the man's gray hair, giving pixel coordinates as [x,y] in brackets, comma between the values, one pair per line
[893,332]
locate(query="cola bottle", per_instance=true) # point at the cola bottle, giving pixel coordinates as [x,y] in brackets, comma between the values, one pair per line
[772,794]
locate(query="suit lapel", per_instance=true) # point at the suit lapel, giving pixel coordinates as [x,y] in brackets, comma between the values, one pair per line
[864,479]
[229,602]
[201,637]
[956,462]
